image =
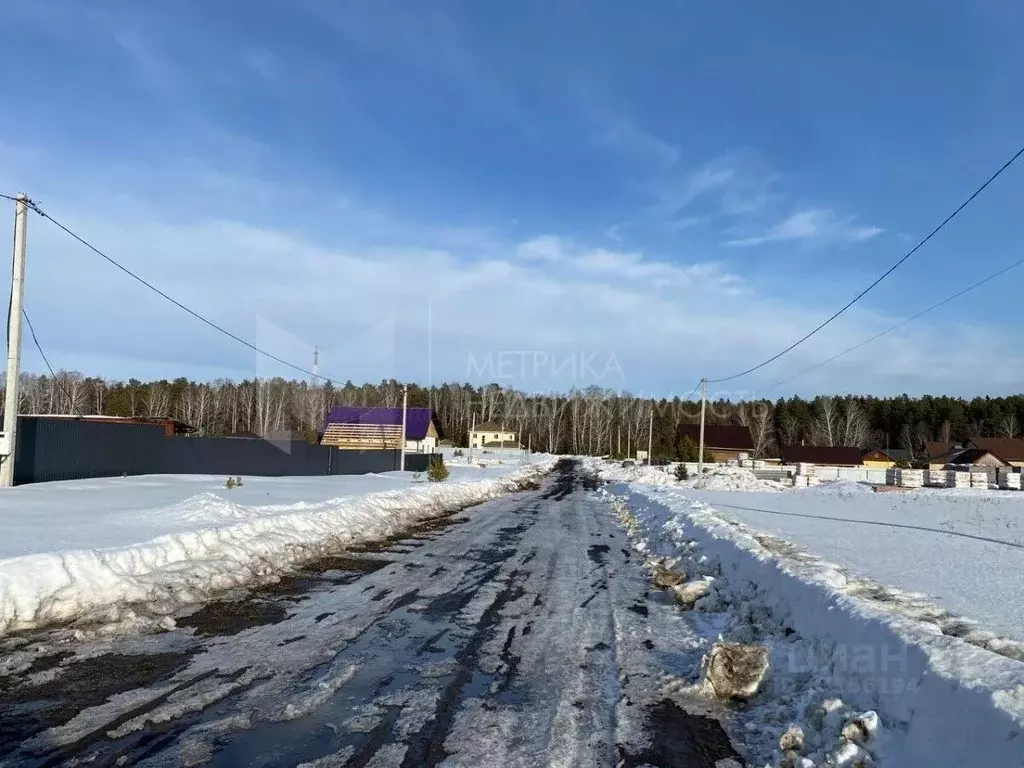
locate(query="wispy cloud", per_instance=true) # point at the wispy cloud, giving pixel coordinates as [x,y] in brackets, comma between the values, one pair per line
[813,224]
[154,69]
[562,254]
[673,197]
[730,188]
[628,138]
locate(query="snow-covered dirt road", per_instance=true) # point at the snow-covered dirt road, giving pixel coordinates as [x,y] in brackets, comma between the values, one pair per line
[521,632]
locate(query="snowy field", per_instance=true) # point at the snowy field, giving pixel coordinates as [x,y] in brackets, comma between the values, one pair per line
[860,598]
[487,457]
[963,549]
[90,549]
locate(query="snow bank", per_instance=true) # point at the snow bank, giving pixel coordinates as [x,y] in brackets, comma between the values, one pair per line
[837,488]
[719,478]
[122,553]
[613,471]
[942,701]
[716,477]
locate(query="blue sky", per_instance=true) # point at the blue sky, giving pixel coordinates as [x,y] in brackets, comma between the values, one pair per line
[628,195]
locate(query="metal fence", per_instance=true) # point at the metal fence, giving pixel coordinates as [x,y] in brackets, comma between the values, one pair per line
[68,449]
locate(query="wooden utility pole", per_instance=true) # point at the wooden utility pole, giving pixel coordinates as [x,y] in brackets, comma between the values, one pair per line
[9,440]
[405,407]
[700,450]
[650,436]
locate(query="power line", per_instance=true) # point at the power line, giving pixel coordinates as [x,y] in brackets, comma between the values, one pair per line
[899,325]
[177,303]
[171,299]
[42,354]
[884,275]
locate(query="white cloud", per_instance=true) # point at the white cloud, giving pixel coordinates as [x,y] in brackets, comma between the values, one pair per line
[666,322]
[817,224]
[543,248]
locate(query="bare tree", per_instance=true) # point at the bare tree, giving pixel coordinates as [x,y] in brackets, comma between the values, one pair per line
[158,400]
[826,427]
[641,412]
[788,430]
[855,427]
[99,395]
[1009,426]
[758,418]
[269,405]
[908,441]
[946,432]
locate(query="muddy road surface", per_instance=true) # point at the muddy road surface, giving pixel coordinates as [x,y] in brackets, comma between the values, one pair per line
[521,632]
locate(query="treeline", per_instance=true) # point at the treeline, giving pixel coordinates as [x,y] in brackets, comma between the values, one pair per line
[591,421]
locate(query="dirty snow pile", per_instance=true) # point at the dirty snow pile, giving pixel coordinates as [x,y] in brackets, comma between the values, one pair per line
[132,550]
[859,674]
[716,477]
[722,478]
[613,471]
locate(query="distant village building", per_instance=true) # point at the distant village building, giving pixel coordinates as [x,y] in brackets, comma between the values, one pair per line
[1009,449]
[721,443]
[876,458]
[978,457]
[491,434]
[978,451]
[828,455]
[369,428]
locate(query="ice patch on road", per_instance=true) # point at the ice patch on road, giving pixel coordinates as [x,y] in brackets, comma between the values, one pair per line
[321,692]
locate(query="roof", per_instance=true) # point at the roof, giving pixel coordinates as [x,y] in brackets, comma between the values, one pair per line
[1006,448]
[935,450]
[417,420]
[492,426]
[161,421]
[892,454]
[876,454]
[973,456]
[820,454]
[730,438]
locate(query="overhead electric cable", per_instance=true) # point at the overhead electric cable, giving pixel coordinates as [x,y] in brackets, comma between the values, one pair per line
[882,277]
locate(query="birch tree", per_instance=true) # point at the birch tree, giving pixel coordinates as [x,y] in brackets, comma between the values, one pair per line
[827,422]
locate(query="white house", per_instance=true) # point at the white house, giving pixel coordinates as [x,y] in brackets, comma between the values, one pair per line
[491,434]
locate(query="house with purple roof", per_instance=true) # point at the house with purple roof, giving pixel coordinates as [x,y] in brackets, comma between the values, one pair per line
[362,428]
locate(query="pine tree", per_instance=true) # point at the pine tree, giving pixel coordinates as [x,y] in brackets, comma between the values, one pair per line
[688,450]
[438,470]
